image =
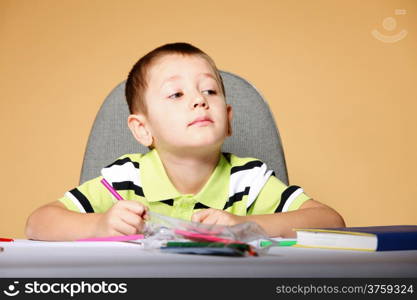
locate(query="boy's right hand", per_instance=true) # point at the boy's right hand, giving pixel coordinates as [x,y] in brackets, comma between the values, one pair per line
[126,217]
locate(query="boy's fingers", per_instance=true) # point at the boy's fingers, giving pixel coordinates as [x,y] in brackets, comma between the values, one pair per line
[201,215]
[146,215]
[211,219]
[133,206]
[132,219]
[197,216]
[125,228]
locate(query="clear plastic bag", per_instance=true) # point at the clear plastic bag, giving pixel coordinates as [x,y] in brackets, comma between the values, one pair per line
[161,229]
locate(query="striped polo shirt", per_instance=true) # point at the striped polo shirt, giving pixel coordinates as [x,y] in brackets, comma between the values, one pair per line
[242,186]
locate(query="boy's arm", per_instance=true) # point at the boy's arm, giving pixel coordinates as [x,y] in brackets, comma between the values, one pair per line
[54,222]
[311,214]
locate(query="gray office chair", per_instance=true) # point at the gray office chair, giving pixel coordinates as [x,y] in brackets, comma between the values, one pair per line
[254,131]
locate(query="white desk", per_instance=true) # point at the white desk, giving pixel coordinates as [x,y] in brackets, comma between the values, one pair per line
[118,259]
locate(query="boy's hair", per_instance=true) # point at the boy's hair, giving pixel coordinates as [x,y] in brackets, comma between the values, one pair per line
[136,83]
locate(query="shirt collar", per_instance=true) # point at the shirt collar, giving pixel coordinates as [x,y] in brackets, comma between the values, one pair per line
[158,187]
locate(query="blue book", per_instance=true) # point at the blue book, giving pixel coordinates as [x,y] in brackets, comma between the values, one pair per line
[371,238]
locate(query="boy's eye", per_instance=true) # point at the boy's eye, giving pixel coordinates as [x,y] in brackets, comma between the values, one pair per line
[210,92]
[175,95]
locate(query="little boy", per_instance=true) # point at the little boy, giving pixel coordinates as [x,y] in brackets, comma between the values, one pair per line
[177,103]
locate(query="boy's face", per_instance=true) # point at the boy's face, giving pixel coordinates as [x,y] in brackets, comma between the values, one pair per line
[186,109]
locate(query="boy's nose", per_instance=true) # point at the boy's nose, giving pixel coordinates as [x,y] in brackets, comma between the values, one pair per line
[200,101]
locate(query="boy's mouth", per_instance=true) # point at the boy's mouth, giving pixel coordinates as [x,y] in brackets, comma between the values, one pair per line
[201,121]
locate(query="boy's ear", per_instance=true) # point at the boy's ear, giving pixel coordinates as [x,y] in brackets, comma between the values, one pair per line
[229,118]
[138,126]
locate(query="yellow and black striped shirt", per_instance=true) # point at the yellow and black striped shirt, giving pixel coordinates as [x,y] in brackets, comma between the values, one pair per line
[242,186]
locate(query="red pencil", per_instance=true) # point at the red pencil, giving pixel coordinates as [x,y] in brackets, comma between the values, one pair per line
[6,240]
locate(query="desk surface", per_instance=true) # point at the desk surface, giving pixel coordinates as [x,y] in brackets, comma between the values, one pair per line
[119,259]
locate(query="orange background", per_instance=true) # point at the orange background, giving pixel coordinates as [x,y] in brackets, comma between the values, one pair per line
[345,102]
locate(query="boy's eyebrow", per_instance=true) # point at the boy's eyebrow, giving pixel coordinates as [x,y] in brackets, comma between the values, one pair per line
[207,75]
[175,77]
[172,78]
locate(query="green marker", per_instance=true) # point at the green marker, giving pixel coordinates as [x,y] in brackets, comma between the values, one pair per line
[277,243]
[242,247]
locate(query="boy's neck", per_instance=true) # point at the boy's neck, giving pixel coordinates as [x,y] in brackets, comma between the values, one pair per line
[189,173]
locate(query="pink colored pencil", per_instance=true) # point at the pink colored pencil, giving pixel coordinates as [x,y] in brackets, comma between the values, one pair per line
[118,238]
[204,237]
[111,189]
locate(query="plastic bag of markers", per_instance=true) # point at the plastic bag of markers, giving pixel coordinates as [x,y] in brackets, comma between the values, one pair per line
[161,229]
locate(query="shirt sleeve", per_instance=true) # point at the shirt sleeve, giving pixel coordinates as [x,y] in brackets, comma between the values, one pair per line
[89,197]
[93,197]
[277,197]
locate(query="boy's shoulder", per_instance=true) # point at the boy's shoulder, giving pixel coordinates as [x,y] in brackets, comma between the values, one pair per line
[134,157]
[126,159]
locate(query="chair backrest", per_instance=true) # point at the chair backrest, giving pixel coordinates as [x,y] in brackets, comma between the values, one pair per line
[254,130]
